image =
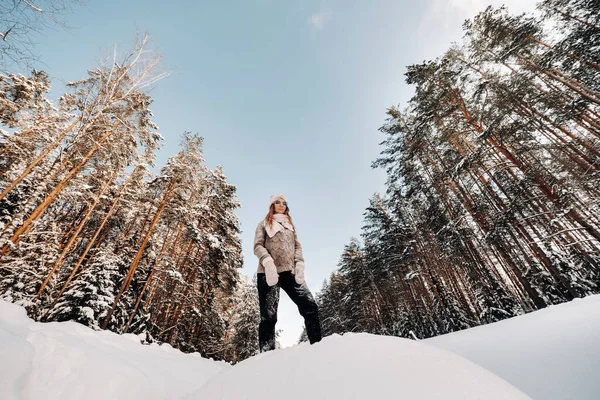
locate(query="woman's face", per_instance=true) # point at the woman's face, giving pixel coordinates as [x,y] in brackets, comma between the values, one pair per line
[280,206]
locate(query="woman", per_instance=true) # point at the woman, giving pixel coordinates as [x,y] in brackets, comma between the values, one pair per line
[281,264]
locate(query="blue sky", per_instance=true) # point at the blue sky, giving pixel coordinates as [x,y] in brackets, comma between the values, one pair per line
[289,97]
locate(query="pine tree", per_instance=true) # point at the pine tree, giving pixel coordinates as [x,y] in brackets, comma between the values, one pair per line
[245,321]
[89,298]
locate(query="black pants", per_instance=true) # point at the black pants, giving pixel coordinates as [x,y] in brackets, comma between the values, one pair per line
[268,298]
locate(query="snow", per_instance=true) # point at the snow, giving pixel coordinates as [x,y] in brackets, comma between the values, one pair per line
[214,241]
[66,360]
[550,354]
[357,366]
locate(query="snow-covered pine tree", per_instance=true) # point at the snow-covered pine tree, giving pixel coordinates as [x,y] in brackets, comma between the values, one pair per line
[90,297]
[193,254]
[245,320]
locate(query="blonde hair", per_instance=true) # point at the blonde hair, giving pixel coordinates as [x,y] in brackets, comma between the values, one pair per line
[269,217]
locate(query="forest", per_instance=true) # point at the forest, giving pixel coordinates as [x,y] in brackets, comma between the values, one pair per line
[492,205]
[89,233]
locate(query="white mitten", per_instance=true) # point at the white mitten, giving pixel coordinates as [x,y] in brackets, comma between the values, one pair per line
[299,272]
[270,271]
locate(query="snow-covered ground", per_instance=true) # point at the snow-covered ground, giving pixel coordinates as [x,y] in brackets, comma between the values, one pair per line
[550,354]
[66,360]
[357,366]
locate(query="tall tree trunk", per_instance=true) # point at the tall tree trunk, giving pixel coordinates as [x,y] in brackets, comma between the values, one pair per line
[39,211]
[138,256]
[148,281]
[38,160]
[61,258]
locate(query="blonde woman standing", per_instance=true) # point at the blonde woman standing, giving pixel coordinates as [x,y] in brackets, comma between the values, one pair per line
[281,265]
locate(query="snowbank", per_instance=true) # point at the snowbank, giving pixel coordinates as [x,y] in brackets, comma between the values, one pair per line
[357,366]
[67,360]
[551,354]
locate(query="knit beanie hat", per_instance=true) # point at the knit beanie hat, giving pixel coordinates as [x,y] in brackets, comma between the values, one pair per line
[275,197]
